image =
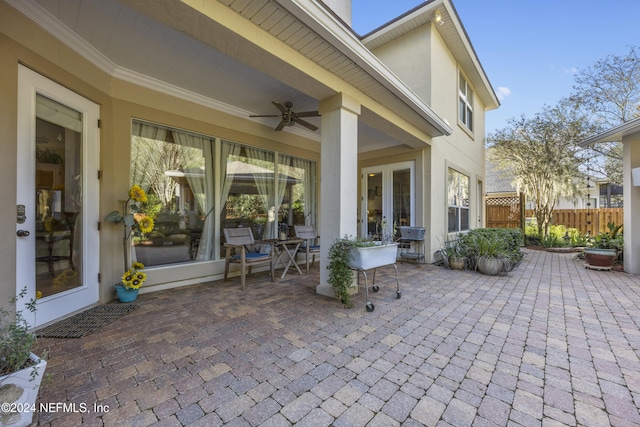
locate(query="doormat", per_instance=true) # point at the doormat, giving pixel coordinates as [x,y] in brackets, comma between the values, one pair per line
[87,322]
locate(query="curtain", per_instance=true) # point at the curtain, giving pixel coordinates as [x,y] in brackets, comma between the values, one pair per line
[309,192]
[196,150]
[282,173]
[233,150]
[264,184]
[144,152]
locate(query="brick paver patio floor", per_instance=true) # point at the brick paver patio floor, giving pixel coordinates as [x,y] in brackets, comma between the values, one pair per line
[551,343]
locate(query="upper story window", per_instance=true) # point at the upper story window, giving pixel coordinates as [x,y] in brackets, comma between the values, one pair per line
[465,103]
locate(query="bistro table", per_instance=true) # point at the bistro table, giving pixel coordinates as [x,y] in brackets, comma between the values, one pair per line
[289,247]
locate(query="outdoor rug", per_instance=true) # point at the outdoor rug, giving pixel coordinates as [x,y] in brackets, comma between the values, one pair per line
[86,322]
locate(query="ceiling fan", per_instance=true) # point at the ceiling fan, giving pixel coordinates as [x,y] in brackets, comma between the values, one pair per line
[290,118]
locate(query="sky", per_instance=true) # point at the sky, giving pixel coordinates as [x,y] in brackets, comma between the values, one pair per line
[529,49]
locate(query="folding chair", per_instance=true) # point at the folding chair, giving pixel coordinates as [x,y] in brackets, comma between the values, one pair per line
[240,240]
[311,246]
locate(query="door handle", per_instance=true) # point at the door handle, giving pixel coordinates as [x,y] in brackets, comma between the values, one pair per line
[22,233]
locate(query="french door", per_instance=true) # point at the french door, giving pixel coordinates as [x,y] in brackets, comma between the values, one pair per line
[388,197]
[57,198]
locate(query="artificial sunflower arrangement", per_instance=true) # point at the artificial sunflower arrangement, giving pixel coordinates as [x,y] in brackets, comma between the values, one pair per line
[132,219]
[134,277]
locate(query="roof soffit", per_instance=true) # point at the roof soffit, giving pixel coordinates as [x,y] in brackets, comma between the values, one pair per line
[314,32]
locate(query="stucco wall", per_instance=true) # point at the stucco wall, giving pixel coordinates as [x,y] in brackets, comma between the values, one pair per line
[631,159]
[424,62]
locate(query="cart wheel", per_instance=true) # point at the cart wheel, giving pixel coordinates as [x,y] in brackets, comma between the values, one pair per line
[370,307]
[398,295]
[375,288]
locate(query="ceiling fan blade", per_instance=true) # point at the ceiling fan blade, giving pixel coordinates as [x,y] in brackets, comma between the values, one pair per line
[308,114]
[306,124]
[280,125]
[279,106]
[265,115]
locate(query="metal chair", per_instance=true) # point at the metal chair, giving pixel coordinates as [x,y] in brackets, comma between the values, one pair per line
[246,253]
[311,246]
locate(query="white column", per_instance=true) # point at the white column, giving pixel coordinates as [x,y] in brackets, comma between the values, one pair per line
[631,159]
[338,177]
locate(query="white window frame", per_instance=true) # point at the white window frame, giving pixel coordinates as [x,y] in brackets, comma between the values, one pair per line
[458,206]
[465,102]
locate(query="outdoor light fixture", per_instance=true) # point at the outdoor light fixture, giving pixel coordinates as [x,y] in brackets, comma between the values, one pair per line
[436,18]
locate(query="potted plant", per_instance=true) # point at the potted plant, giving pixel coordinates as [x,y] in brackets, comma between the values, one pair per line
[132,280]
[489,254]
[605,248]
[132,220]
[453,254]
[340,272]
[368,254]
[21,371]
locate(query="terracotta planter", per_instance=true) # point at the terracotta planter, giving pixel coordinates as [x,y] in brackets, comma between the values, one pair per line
[368,257]
[20,390]
[600,257]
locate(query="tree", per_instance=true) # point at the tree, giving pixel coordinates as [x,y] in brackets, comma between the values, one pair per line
[541,154]
[610,90]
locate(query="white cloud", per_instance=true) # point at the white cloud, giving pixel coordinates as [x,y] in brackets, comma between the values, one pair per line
[572,70]
[503,92]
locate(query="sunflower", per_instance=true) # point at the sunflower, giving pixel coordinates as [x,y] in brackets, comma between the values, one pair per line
[137,193]
[137,265]
[146,224]
[137,280]
[127,279]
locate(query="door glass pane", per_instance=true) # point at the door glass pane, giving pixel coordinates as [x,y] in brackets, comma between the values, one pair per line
[58,215]
[374,204]
[402,197]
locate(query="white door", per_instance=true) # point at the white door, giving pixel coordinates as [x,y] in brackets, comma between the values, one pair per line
[388,196]
[57,196]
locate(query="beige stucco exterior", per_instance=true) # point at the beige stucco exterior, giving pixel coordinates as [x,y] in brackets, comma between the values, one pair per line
[429,78]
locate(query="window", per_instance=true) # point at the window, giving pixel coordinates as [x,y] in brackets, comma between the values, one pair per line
[175,168]
[457,201]
[465,114]
[265,195]
[258,188]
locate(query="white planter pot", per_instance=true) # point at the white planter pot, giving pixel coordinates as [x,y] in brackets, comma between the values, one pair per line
[366,258]
[20,390]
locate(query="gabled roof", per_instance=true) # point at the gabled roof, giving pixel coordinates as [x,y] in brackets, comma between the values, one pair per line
[614,134]
[452,32]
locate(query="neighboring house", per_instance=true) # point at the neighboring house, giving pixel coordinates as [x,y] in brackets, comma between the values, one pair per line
[598,193]
[629,134]
[100,95]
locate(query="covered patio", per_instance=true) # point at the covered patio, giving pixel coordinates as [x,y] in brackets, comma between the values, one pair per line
[551,343]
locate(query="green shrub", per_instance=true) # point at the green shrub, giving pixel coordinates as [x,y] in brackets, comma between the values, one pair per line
[493,242]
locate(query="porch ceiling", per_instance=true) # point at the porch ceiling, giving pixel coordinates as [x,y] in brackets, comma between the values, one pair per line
[139,47]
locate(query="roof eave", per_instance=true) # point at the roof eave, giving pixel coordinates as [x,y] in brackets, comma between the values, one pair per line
[614,134]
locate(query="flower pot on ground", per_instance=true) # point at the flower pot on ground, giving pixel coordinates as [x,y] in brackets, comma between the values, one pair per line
[604,258]
[605,248]
[490,266]
[456,262]
[132,280]
[21,371]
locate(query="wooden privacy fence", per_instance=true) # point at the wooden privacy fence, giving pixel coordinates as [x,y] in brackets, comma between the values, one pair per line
[579,218]
[504,211]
